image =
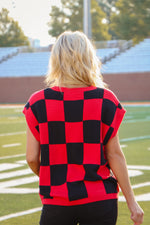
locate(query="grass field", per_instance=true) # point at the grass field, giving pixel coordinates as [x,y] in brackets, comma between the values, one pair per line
[19,187]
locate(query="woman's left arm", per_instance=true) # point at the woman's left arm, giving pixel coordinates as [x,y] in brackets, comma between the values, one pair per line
[118,165]
[33,152]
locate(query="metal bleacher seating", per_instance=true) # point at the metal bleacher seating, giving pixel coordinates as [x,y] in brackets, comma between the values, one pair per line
[136,59]
[106,54]
[36,63]
[25,64]
[7,52]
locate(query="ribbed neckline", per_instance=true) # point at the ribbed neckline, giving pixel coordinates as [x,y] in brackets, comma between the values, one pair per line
[62,89]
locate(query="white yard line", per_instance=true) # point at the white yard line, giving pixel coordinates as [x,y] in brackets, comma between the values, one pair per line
[134,173]
[136,121]
[135,167]
[139,198]
[11,134]
[11,106]
[17,182]
[13,215]
[136,104]
[19,191]
[12,156]
[8,166]
[22,162]
[15,173]
[135,138]
[12,122]
[141,185]
[11,145]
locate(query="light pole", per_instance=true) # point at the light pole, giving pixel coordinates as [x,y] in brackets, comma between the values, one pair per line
[87,18]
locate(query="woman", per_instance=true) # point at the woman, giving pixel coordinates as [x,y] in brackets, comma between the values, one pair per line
[72,141]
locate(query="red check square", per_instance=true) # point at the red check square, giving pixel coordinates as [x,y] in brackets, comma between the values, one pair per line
[92,154]
[45,178]
[55,110]
[57,154]
[75,173]
[60,190]
[92,109]
[74,132]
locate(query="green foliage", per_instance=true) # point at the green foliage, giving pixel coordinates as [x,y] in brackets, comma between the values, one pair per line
[99,29]
[10,32]
[70,17]
[131,19]
[106,6]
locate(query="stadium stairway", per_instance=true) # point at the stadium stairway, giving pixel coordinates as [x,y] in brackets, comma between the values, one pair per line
[136,59]
[7,53]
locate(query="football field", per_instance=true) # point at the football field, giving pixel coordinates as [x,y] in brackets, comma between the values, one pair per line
[19,200]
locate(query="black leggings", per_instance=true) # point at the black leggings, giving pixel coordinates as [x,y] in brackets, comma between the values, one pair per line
[97,213]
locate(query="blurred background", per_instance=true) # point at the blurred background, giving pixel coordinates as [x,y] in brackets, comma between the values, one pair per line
[119,29]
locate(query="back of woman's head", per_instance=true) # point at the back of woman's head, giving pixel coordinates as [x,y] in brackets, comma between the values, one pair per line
[73,62]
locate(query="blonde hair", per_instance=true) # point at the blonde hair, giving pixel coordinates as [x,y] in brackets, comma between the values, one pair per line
[73,62]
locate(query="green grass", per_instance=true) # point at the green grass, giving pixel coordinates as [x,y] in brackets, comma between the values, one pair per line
[136,124]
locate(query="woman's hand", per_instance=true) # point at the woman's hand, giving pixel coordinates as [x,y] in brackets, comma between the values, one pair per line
[137,213]
[118,165]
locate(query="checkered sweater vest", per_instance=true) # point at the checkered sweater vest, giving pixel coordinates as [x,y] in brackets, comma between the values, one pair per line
[73,125]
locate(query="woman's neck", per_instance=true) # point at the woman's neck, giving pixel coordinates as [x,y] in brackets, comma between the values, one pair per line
[73,85]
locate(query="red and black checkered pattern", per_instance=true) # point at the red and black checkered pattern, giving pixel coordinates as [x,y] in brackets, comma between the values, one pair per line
[73,127]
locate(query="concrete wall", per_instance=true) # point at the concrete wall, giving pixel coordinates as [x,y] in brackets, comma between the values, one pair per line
[130,86]
[127,87]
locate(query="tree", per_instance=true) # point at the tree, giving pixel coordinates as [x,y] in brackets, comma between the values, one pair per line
[99,29]
[70,17]
[131,20]
[10,32]
[107,6]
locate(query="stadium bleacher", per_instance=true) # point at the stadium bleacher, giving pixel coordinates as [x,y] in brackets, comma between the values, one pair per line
[106,54]
[25,64]
[6,53]
[36,63]
[136,59]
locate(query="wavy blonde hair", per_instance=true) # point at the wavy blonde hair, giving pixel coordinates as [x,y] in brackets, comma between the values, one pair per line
[73,62]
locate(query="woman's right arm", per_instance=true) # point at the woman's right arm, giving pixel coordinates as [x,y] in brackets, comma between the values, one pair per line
[118,166]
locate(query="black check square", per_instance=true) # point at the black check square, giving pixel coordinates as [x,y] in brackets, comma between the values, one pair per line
[44,155]
[108,135]
[73,111]
[91,172]
[56,132]
[108,111]
[110,185]
[91,130]
[58,174]
[75,153]
[45,190]
[39,107]
[52,94]
[97,93]
[77,190]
